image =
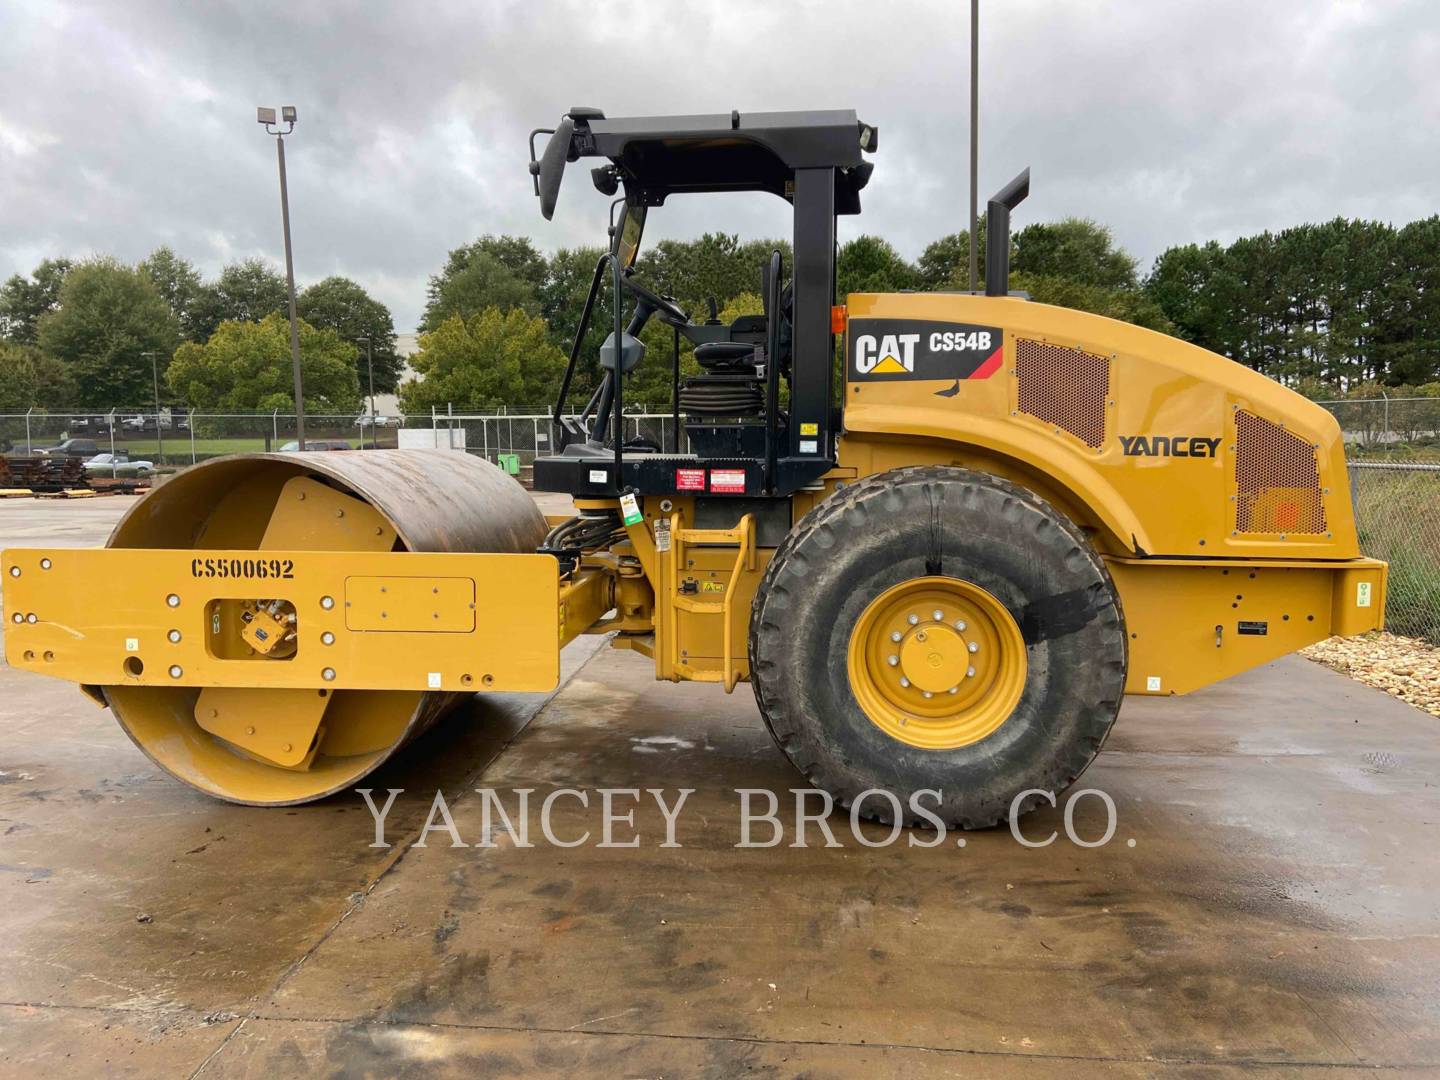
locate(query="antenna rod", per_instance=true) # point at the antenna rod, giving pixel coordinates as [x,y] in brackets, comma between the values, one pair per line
[974,144]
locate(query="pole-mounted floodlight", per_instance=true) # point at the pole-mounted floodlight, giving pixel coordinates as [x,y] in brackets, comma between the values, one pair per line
[288,116]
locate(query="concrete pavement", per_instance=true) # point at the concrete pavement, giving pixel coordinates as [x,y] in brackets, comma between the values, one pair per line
[1277,913]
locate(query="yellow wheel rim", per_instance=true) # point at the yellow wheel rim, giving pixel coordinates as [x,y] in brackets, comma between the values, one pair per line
[937,663]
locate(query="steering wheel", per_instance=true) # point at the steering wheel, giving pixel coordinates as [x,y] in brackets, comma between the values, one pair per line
[669,311]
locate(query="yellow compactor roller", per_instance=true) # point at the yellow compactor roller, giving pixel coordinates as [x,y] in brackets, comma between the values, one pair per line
[939,566]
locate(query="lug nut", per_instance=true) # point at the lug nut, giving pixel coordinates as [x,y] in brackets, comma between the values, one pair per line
[173,600]
[327,638]
[327,603]
[938,615]
[14,571]
[893,660]
[974,646]
[174,636]
[914,619]
[904,681]
[960,625]
[328,674]
[970,673]
[17,617]
[895,635]
[44,564]
[928,695]
[31,618]
[175,671]
[954,690]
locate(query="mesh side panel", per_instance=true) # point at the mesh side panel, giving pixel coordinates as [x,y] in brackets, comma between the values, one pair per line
[1277,479]
[1065,388]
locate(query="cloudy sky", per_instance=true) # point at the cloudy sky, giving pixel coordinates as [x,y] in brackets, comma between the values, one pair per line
[130,123]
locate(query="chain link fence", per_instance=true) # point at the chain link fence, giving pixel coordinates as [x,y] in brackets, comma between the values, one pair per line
[175,439]
[1397,511]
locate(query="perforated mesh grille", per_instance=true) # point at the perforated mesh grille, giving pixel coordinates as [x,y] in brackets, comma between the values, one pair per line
[1065,388]
[1277,479]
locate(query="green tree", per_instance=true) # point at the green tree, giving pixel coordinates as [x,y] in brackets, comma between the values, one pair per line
[110,319]
[870,264]
[562,302]
[945,263]
[717,265]
[246,366]
[31,380]
[24,300]
[1127,305]
[245,292]
[339,304]
[491,359]
[494,271]
[178,283]
[1076,249]
[483,283]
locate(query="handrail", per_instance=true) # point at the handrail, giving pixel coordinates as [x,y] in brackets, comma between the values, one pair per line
[580,329]
[772,368]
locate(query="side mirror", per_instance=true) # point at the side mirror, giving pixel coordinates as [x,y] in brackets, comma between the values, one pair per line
[628,233]
[552,166]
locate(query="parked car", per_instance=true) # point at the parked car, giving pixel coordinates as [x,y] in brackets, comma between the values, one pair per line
[108,464]
[317,444]
[76,448]
[146,422]
[364,420]
[87,424]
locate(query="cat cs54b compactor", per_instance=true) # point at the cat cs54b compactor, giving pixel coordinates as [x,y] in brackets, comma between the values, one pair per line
[939,534]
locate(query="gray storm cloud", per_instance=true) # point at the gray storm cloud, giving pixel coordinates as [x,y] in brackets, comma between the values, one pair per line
[125,126]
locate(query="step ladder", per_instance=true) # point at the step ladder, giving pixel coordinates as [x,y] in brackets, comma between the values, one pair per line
[742,538]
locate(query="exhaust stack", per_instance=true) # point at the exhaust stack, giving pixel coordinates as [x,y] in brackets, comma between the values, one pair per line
[997,233]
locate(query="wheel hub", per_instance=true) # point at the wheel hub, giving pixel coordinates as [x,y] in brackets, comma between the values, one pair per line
[937,662]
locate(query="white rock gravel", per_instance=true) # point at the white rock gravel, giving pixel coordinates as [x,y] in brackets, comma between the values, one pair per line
[1403,667]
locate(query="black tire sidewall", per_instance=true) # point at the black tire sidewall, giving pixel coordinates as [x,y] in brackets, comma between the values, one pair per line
[882,532]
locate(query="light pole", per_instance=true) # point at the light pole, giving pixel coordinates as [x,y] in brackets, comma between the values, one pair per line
[288,117]
[974,144]
[370,373]
[155,377]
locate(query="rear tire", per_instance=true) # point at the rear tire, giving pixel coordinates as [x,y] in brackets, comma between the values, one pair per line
[851,666]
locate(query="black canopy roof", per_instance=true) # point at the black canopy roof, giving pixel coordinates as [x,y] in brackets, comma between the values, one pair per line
[656,156]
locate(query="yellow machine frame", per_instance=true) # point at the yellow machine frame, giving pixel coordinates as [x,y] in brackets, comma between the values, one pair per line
[1202,598]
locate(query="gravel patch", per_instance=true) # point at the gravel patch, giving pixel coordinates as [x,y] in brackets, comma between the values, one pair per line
[1403,667]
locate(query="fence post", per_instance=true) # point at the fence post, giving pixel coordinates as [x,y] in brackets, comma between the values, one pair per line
[434,429]
[275,426]
[450,424]
[192,436]
[1387,414]
[110,423]
[28,448]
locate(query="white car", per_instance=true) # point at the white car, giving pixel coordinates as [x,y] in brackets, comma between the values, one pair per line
[117,465]
[380,420]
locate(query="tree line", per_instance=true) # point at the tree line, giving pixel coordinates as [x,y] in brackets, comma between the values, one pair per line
[94,334]
[1333,309]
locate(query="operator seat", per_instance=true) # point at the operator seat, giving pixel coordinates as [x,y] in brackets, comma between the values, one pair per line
[732,383]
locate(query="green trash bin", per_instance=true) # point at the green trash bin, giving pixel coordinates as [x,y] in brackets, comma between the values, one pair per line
[509,462]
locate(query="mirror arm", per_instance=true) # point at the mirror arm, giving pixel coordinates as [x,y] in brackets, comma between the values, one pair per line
[534,161]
